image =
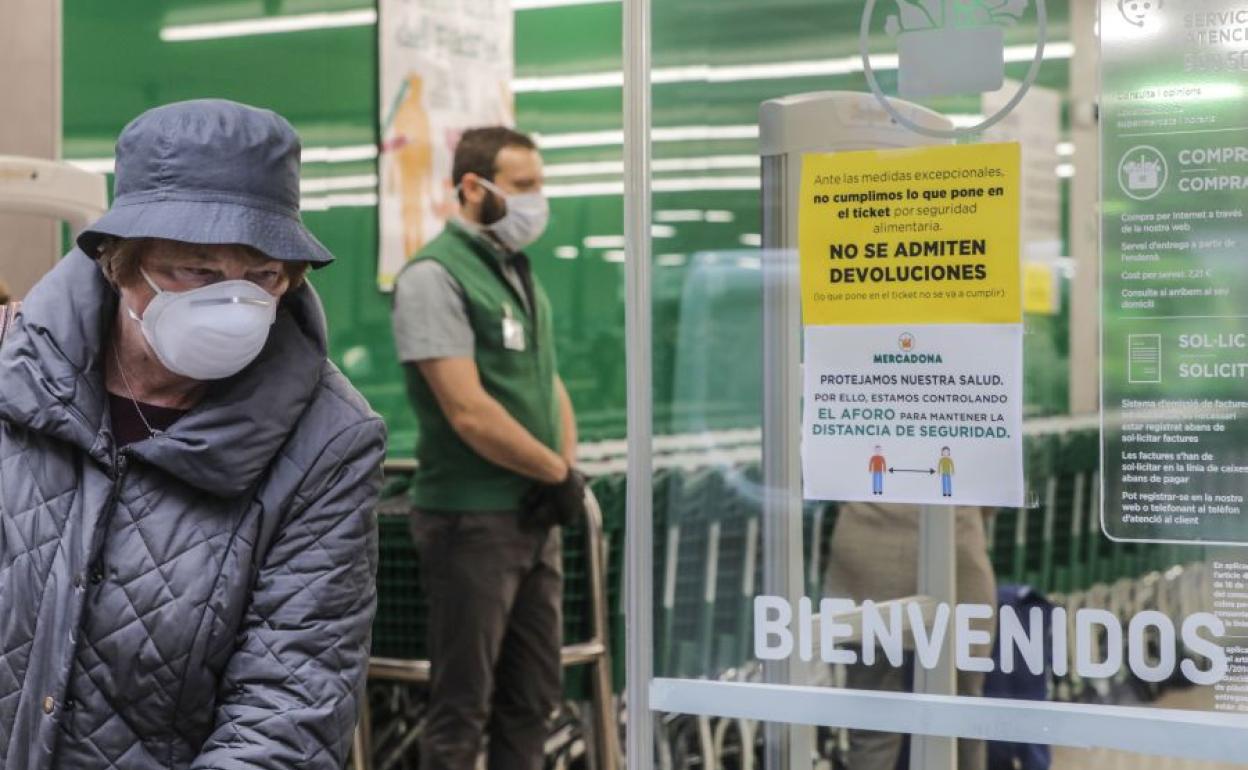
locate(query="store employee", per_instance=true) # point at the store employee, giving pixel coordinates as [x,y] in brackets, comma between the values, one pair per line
[496,453]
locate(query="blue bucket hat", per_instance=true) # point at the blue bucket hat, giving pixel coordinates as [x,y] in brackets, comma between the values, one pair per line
[209,171]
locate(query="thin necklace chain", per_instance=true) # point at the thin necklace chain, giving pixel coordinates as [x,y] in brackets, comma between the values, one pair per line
[130,392]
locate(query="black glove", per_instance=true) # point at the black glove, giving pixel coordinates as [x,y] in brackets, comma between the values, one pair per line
[563,504]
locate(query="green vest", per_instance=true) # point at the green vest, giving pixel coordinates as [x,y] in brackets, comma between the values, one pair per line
[451,475]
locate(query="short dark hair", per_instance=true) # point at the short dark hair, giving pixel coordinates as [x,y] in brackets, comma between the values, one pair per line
[478,150]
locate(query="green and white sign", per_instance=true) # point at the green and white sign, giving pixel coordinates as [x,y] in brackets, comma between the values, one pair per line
[1174,122]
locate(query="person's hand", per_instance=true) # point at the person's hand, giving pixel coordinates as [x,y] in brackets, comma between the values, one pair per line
[558,470]
[563,504]
[569,498]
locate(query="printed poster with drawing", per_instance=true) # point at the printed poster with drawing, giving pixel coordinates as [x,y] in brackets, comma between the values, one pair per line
[912,306]
[446,66]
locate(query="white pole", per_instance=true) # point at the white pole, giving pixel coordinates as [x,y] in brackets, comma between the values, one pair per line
[938,580]
[30,51]
[639,660]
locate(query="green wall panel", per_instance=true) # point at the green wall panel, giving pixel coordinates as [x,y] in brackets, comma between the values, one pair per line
[325,82]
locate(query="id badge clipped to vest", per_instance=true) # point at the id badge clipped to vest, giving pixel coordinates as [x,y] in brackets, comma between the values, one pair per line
[513,331]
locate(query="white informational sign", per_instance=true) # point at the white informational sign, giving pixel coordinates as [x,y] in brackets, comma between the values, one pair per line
[1174,281]
[911,301]
[446,66]
[914,414]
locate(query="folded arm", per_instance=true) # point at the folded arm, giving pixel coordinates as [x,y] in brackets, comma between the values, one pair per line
[289,696]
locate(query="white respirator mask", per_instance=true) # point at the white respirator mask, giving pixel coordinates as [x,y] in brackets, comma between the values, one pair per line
[208,333]
[525,219]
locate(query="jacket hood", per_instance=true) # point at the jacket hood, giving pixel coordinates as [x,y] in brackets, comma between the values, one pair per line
[52,382]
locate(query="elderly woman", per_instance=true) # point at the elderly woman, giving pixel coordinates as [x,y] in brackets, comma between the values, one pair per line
[187,539]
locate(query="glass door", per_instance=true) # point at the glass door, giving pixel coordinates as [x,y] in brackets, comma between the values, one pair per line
[877,515]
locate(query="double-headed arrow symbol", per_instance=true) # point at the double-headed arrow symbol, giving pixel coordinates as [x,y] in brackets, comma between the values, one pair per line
[928,471]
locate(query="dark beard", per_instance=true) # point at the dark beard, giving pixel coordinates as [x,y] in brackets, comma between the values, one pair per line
[492,209]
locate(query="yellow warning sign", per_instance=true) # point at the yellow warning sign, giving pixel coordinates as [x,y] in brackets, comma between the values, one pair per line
[926,235]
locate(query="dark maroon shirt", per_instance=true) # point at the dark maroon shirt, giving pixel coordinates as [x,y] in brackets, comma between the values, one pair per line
[128,427]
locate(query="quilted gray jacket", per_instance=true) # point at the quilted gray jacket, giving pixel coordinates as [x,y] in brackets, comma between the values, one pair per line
[201,599]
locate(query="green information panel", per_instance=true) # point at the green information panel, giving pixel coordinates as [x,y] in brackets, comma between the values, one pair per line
[1174,122]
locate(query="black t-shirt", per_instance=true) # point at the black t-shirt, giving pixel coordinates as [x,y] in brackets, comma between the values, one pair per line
[128,427]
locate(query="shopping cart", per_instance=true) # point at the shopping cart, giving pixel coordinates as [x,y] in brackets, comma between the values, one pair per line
[399,639]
